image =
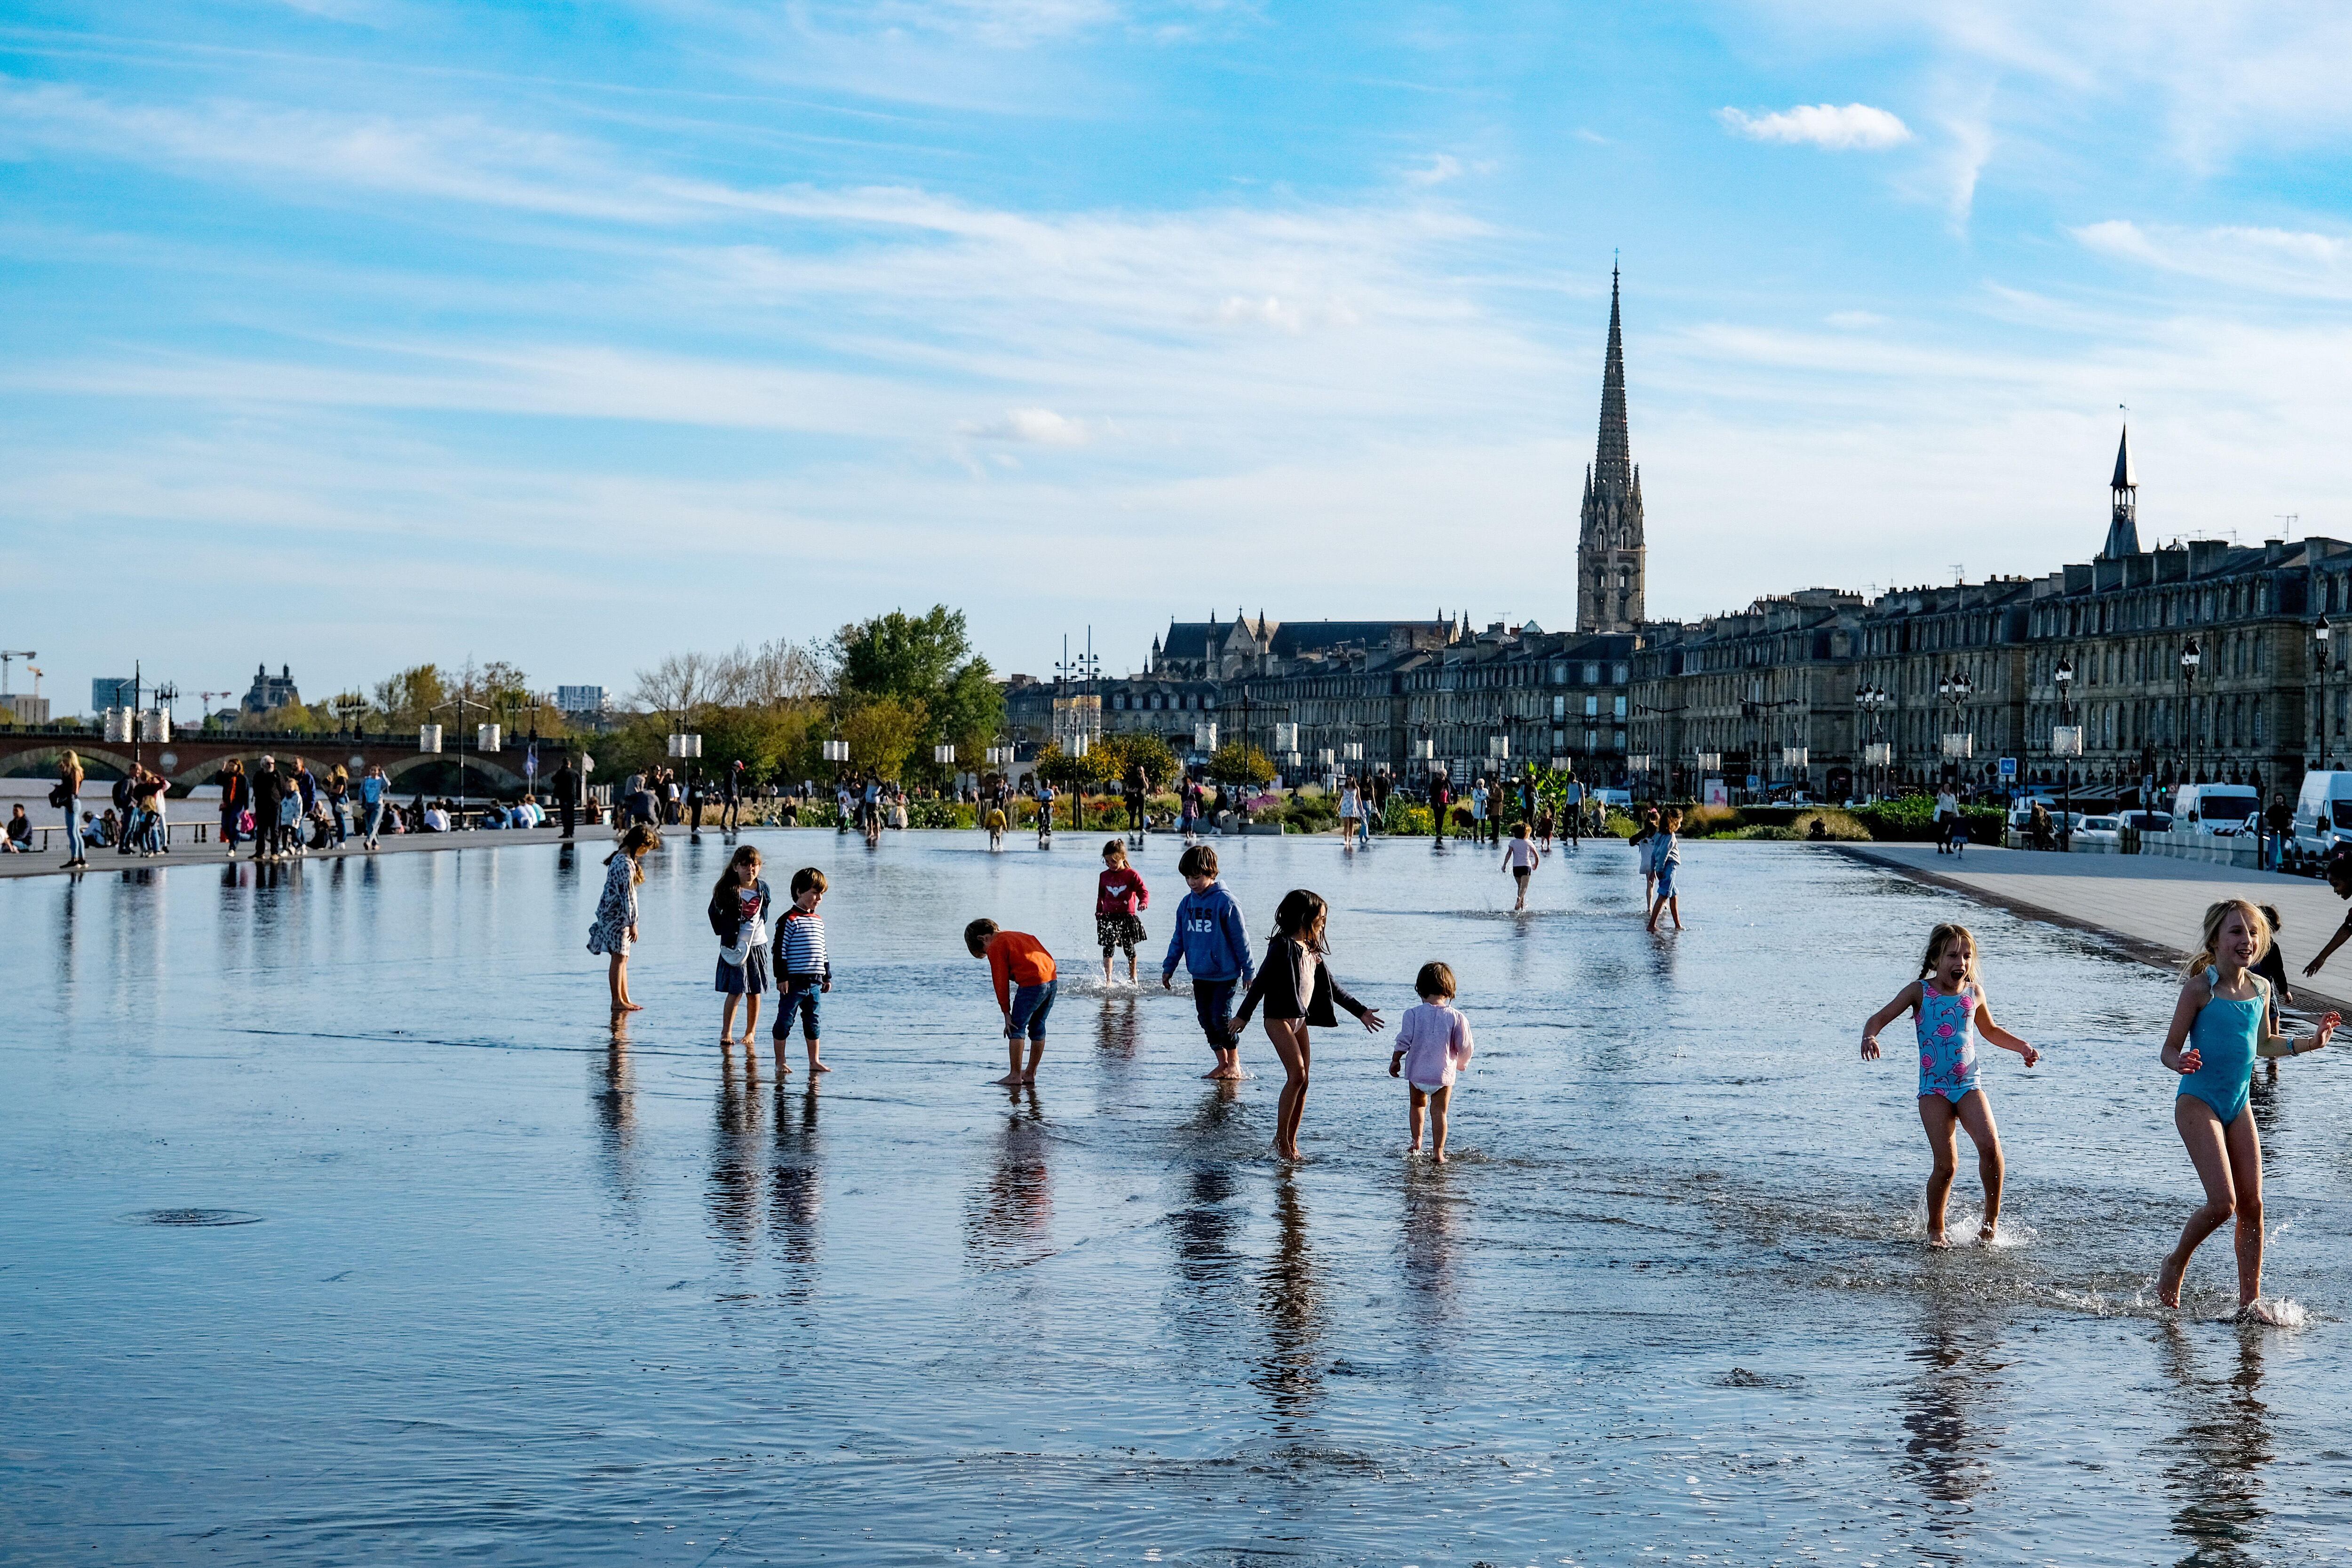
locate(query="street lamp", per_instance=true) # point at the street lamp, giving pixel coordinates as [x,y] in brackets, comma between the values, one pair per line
[1873,701]
[2191,656]
[1959,743]
[2065,743]
[2321,635]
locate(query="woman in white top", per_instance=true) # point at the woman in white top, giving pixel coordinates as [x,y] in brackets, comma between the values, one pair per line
[1351,811]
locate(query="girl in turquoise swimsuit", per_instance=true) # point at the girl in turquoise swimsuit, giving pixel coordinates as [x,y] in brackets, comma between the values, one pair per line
[2220,1025]
[1953,1012]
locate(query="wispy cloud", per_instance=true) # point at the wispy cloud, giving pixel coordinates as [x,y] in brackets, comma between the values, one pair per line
[1037,426]
[1440,167]
[2296,262]
[1854,127]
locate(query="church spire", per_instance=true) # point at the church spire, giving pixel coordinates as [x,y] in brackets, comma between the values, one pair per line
[1611,557]
[1614,461]
[2123,515]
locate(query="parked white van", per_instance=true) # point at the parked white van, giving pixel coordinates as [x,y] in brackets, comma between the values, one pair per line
[2323,815]
[2217,808]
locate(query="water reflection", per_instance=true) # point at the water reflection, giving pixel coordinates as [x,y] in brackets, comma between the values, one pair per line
[796,1190]
[2214,1473]
[1948,1434]
[1117,1031]
[1432,1227]
[614,1095]
[1291,1311]
[736,1154]
[1009,1215]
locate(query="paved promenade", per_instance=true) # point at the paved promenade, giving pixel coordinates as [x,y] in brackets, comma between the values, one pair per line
[2152,905]
[184,853]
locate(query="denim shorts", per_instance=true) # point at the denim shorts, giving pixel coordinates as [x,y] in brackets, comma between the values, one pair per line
[1030,1005]
[1666,880]
[801,994]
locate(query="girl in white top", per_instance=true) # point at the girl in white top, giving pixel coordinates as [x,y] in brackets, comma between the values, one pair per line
[1433,1046]
[1352,808]
[1520,859]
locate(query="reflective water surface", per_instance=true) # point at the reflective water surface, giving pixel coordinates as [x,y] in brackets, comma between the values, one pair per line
[340,1227]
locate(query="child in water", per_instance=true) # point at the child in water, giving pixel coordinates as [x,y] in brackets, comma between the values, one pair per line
[1433,1045]
[2220,1025]
[1952,1012]
[1296,986]
[739,918]
[1520,859]
[995,827]
[1023,973]
[1665,860]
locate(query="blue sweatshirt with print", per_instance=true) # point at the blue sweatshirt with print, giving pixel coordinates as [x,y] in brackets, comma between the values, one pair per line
[1209,937]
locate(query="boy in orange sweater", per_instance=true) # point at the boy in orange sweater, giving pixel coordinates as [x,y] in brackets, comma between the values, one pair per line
[1023,971]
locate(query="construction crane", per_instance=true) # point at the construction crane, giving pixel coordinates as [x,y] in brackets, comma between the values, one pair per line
[7,658]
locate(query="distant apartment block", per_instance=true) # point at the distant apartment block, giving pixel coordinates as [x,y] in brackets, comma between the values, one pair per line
[28,709]
[109,692]
[580,699]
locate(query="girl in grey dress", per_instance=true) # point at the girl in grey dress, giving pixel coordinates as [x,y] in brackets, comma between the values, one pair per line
[615,930]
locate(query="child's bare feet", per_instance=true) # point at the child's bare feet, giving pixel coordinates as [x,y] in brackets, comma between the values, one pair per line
[629,1007]
[1988,1233]
[1939,1240]
[1439,1157]
[2256,1312]
[2168,1281]
[819,1066]
[1413,1148]
[1010,1080]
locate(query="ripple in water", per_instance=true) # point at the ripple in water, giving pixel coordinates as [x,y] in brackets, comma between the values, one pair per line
[192,1218]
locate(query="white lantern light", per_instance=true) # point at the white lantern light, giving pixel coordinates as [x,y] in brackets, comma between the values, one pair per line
[943,755]
[429,737]
[486,738]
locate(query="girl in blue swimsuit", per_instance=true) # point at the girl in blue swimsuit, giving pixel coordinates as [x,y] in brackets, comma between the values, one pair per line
[1952,1014]
[2220,1025]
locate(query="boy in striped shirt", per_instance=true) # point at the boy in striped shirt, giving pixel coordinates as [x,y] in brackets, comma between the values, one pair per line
[801,972]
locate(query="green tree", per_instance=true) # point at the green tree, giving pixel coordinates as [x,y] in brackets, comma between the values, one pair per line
[925,660]
[883,734]
[1235,764]
[410,696]
[1123,751]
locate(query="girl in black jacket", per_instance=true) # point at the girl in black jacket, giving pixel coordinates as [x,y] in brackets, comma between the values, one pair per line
[1298,991]
[738,919]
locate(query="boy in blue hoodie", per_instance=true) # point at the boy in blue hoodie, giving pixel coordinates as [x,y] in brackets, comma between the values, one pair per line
[1214,946]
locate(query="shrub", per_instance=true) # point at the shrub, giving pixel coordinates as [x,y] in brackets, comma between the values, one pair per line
[1404,817]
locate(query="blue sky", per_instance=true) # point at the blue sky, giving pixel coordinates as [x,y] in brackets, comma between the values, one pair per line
[347,333]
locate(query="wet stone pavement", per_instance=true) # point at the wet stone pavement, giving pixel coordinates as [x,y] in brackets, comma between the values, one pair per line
[340,1227]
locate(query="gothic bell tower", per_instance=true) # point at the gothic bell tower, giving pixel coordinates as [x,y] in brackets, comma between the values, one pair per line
[1609,555]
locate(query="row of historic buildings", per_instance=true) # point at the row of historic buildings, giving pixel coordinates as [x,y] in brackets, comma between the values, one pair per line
[2204,660]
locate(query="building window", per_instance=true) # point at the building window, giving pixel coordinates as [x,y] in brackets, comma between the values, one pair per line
[1621,709]
[1593,707]
[1558,708]
[1591,675]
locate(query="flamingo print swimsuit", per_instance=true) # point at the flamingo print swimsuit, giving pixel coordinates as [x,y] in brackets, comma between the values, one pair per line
[1948,1041]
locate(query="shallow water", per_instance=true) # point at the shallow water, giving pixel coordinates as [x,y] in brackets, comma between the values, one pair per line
[339,1228]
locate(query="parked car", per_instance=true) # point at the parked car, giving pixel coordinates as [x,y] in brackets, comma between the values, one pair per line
[2219,809]
[2148,821]
[2099,830]
[2322,818]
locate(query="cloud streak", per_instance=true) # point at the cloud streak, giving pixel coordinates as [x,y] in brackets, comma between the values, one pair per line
[1853,127]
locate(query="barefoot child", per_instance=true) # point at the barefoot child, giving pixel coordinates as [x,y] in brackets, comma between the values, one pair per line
[996,827]
[2220,1025]
[1119,898]
[738,917]
[1433,1045]
[806,974]
[1298,991]
[1520,859]
[1665,860]
[2271,966]
[1952,1012]
[1023,973]
[615,930]
[1213,941]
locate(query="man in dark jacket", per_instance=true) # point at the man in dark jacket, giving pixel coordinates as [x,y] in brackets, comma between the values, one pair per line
[268,789]
[566,784]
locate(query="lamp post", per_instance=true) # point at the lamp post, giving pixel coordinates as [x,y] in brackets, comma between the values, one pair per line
[2191,656]
[1955,689]
[2066,744]
[2322,634]
[1873,701]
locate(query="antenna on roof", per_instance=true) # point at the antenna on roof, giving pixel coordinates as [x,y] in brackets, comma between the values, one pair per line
[2290,519]
[1960,575]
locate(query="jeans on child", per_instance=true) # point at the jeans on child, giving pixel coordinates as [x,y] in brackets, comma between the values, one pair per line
[1030,1005]
[1212,1004]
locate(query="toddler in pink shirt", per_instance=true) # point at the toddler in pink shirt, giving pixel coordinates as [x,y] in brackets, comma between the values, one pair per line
[1433,1044]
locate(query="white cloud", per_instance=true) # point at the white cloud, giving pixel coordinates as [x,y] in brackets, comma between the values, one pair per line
[2294,262]
[1855,127]
[1038,426]
[1440,167]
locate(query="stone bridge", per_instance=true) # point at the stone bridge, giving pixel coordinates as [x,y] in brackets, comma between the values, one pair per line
[193,758]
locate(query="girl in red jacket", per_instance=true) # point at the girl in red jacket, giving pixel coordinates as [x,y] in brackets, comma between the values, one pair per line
[1120,897]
